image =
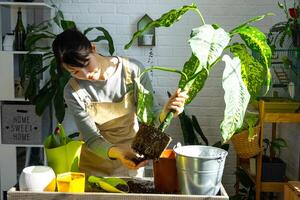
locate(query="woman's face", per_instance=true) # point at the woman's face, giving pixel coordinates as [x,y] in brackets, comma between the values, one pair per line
[91,72]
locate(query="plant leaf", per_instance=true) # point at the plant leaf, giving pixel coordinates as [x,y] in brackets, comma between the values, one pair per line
[253,73]
[257,42]
[66,24]
[109,184]
[145,111]
[166,20]
[198,129]
[195,85]
[236,97]
[188,132]
[33,38]
[207,44]
[106,36]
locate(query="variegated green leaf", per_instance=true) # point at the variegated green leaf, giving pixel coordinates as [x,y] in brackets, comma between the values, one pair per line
[253,72]
[165,20]
[257,42]
[144,111]
[192,86]
[236,97]
[207,44]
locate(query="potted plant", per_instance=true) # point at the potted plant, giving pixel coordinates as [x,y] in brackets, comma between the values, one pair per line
[273,168]
[242,78]
[286,29]
[246,139]
[52,91]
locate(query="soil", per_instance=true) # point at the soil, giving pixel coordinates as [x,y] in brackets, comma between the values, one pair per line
[150,142]
[135,186]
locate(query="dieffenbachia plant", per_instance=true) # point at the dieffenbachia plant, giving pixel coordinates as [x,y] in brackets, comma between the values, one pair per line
[243,74]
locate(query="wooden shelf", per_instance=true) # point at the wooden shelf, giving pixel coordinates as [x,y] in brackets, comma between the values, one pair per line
[277,111]
[23,52]
[272,186]
[25,4]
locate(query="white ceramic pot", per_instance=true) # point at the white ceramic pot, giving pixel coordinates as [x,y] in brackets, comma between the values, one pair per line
[147,39]
[37,179]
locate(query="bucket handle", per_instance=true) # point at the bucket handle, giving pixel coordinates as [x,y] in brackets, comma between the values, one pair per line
[222,157]
[177,145]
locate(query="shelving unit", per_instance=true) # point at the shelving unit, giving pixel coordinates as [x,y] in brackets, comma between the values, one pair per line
[275,113]
[32,13]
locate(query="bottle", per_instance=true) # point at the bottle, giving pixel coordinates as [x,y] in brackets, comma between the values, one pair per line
[19,33]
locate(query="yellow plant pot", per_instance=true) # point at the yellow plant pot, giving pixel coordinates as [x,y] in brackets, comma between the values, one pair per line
[70,182]
[64,158]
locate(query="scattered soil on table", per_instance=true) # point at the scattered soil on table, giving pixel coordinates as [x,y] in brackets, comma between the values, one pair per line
[150,142]
[135,186]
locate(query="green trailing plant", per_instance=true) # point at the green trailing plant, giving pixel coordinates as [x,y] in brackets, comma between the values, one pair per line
[243,75]
[52,91]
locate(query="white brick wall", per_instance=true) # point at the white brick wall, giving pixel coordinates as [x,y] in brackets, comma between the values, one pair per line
[171,50]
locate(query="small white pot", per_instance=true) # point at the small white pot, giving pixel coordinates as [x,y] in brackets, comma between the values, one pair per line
[37,179]
[147,39]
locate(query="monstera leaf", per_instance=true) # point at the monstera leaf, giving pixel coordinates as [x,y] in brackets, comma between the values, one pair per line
[236,97]
[165,20]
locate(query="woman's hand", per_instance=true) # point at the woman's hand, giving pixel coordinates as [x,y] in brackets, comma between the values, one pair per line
[175,103]
[127,156]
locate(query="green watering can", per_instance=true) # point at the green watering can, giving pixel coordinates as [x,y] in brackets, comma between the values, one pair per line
[64,158]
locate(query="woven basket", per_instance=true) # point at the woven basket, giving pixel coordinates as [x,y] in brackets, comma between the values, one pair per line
[245,148]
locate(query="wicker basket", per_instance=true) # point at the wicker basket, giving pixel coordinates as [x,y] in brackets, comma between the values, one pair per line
[245,148]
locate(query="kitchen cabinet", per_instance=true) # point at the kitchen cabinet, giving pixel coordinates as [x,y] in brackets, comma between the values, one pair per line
[10,62]
[275,113]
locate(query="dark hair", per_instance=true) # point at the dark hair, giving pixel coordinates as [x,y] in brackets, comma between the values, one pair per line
[72,47]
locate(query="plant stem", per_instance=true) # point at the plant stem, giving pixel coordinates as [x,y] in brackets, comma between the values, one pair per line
[162,127]
[164,69]
[201,16]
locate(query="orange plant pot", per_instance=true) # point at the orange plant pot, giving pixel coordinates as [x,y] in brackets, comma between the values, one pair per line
[165,172]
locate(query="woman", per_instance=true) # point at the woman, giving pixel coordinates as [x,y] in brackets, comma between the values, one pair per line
[100,96]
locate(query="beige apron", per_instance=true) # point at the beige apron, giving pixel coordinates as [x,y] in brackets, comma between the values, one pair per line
[117,123]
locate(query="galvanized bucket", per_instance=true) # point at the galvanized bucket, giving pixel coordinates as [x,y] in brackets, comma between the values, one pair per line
[200,169]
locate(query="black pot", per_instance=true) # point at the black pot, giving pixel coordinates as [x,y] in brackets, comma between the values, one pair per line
[273,171]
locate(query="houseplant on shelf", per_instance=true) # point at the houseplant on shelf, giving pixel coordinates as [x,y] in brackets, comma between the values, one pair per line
[52,91]
[273,168]
[246,139]
[242,78]
[289,29]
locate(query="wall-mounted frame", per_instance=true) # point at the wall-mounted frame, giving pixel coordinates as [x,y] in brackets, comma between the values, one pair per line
[148,37]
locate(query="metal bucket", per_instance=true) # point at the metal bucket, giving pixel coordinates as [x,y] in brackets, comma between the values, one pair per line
[200,169]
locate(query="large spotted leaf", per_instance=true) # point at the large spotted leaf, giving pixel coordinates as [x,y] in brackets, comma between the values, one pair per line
[253,72]
[193,86]
[166,20]
[236,97]
[207,44]
[257,42]
[145,111]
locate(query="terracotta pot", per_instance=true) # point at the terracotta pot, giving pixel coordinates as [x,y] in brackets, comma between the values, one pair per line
[165,173]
